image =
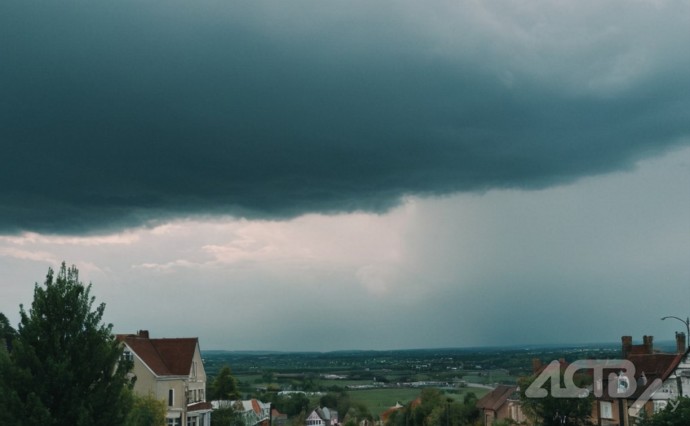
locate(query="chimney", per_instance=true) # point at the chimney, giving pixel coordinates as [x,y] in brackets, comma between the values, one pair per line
[680,342]
[648,342]
[143,333]
[627,346]
[536,365]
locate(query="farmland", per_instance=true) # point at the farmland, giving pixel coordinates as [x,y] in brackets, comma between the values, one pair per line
[380,379]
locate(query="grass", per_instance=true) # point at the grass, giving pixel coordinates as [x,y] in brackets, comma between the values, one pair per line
[379,400]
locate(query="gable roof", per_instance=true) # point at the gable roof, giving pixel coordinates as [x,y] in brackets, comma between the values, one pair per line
[653,366]
[648,368]
[497,397]
[323,413]
[165,357]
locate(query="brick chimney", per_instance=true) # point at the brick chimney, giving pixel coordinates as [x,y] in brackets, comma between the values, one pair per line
[536,365]
[648,343]
[143,334]
[681,346]
[627,346]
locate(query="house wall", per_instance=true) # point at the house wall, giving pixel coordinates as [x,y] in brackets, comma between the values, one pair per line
[197,379]
[186,389]
[488,417]
[676,385]
[147,383]
[314,420]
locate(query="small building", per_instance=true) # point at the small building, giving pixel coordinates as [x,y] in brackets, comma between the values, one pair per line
[252,412]
[502,403]
[172,371]
[322,417]
[278,418]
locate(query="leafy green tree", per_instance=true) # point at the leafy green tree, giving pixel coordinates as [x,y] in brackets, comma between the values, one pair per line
[299,419]
[65,365]
[329,400]
[434,408]
[226,417]
[146,411]
[356,413]
[337,401]
[225,385]
[678,415]
[291,405]
[550,410]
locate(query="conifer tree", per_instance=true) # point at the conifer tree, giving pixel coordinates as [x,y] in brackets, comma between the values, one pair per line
[65,366]
[225,385]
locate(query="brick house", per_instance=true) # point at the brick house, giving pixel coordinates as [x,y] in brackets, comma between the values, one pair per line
[672,370]
[502,403]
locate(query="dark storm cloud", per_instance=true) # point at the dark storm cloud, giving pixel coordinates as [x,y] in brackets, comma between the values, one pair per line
[114,114]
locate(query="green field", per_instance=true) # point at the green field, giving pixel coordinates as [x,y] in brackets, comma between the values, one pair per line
[379,400]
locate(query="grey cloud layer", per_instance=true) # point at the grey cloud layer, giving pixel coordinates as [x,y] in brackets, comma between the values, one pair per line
[114,114]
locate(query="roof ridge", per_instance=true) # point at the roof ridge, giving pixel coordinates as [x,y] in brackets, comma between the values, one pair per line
[162,358]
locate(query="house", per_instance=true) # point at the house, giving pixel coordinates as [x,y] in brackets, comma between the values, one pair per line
[659,378]
[502,403]
[172,371]
[278,418]
[252,412]
[323,417]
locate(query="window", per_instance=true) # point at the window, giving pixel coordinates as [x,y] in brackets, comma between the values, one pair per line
[606,409]
[171,397]
[127,356]
[173,422]
[623,383]
[192,421]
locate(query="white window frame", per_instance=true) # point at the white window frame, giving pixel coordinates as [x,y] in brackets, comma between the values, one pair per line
[606,409]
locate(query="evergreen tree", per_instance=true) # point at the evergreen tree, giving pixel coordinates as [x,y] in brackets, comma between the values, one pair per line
[65,367]
[7,334]
[225,385]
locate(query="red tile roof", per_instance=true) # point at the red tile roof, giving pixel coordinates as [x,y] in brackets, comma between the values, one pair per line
[648,367]
[165,357]
[497,397]
[654,366]
[199,406]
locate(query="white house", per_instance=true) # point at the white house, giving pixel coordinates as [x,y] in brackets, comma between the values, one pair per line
[323,417]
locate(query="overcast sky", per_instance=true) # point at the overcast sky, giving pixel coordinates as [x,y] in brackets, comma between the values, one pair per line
[322,175]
